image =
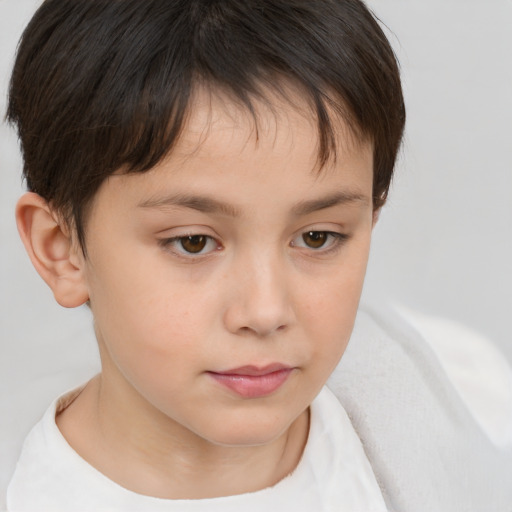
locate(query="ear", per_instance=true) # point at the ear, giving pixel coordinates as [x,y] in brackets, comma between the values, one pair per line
[52,251]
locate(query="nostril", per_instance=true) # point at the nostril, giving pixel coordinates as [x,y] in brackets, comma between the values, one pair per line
[261,309]
[260,332]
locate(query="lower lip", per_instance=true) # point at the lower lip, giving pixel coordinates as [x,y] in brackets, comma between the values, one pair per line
[253,386]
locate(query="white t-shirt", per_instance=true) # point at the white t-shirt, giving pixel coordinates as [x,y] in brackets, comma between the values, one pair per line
[334,475]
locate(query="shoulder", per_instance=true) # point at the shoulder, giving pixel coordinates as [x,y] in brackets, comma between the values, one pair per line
[478,371]
[463,360]
[35,373]
[46,463]
[428,410]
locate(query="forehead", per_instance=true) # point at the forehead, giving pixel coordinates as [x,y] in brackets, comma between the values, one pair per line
[252,160]
[281,121]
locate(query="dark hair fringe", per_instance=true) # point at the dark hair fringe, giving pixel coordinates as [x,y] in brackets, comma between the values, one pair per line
[104,85]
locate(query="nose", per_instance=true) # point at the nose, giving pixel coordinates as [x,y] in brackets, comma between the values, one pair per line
[260,303]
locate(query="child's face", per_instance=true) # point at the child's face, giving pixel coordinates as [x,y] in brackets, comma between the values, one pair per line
[231,333]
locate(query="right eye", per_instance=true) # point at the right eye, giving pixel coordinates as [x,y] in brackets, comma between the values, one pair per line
[190,245]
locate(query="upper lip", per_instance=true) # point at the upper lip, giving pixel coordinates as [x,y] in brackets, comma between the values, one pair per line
[255,371]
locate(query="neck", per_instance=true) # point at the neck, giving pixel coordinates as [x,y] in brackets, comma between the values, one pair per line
[145,451]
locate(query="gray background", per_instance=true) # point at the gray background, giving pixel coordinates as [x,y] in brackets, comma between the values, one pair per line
[444,239]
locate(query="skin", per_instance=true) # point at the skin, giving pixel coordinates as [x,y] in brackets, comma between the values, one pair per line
[259,292]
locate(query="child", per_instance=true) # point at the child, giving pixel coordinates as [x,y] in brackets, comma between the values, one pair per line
[205,175]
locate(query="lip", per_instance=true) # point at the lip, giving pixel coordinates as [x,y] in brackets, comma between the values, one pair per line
[253,381]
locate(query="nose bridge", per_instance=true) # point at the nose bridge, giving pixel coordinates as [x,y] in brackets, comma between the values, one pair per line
[261,302]
[266,276]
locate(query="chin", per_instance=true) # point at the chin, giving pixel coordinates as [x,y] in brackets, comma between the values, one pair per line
[248,433]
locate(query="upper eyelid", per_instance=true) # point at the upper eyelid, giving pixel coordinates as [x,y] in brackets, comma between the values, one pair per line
[192,232]
[187,230]
[334,234]
[170,239]
[338,231]
[167,242]
[206,232]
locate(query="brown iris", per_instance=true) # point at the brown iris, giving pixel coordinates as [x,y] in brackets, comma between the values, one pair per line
[194,244]
[315,239]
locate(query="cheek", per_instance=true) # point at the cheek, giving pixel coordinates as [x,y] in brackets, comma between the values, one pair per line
[147,321]
[155,344]
[329,318]
[330,307]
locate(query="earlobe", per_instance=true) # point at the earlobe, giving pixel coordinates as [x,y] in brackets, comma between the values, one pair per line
[51,250]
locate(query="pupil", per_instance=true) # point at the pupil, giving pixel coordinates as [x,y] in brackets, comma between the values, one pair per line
[315,239]
[193,244]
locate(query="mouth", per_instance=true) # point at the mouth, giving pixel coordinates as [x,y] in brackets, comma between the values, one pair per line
[253,381]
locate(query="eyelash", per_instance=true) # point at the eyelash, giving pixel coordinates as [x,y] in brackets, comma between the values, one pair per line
[337,241]
[168,243]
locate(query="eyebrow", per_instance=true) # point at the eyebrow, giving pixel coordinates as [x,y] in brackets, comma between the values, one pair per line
[206,204]
[200,203]
[335,199]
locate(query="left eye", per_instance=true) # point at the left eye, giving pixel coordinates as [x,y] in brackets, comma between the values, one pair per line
[318,239]
[191,245]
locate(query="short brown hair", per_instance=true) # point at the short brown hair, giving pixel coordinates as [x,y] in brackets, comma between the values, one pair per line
[100,85]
